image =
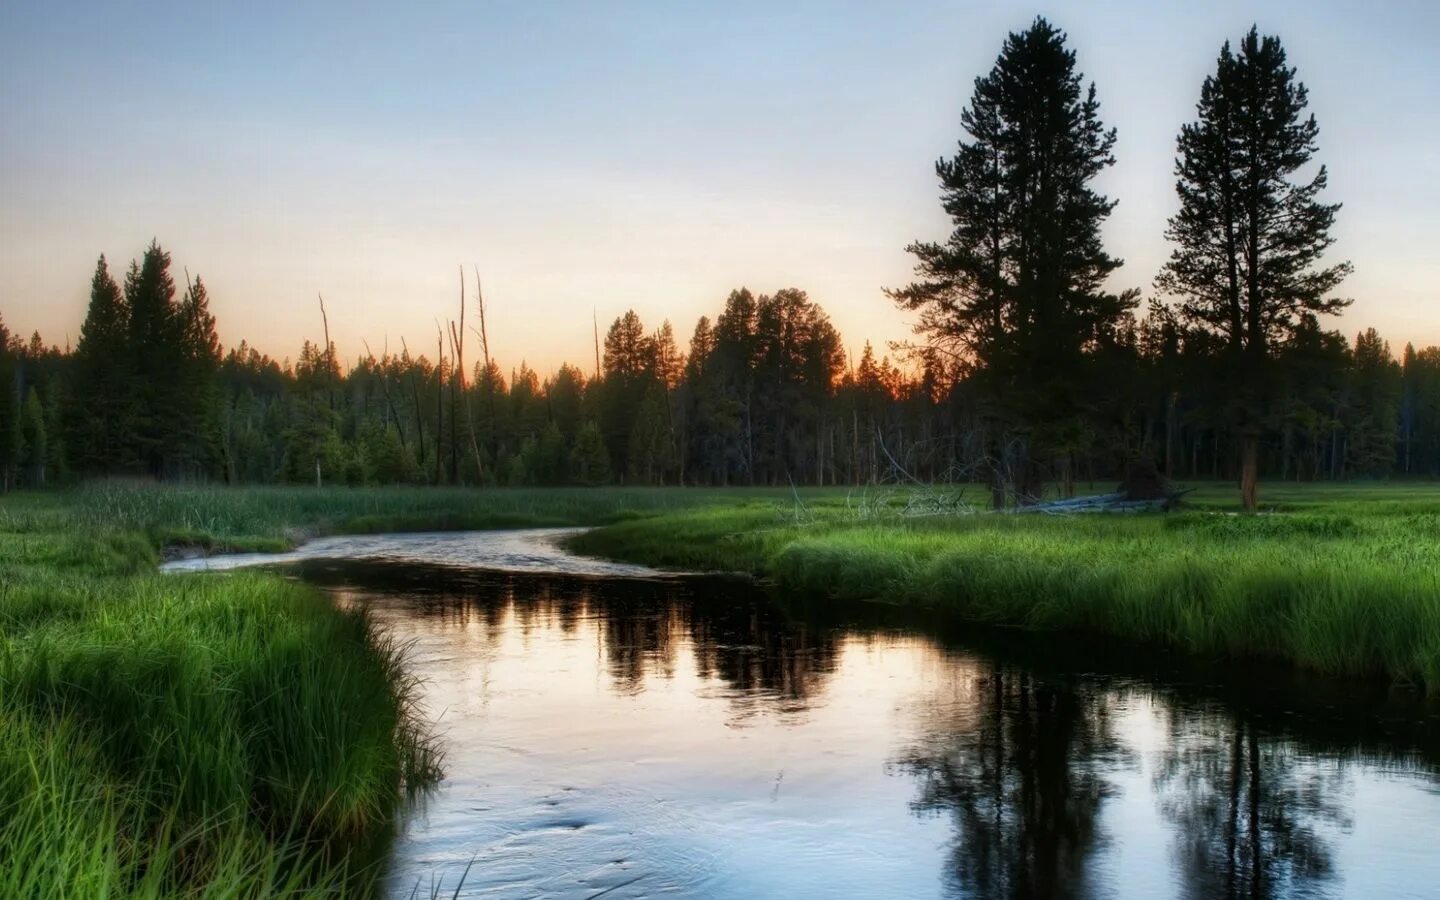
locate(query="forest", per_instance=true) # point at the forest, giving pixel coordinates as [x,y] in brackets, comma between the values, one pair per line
[1025,371]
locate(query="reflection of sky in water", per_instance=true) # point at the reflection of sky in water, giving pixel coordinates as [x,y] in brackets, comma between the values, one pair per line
[669,772]
[662,738]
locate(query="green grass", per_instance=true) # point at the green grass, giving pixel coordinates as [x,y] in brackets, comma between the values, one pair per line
[273,518]
[231,736]
[237,735]
[1340,579]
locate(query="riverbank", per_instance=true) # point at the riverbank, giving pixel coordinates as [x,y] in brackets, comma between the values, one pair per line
[200,736]
[214,736]
[239,735]
[1339,579]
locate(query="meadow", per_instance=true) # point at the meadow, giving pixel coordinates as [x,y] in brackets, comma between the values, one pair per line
[238,735]
[1340,579]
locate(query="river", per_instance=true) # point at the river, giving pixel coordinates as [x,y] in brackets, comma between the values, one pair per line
[614,732]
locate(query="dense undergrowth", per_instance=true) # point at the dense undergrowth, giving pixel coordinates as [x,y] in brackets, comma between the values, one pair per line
[1343,580]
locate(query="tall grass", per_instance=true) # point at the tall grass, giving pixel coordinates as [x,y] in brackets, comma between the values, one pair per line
[199,736]
[1343,581]
[271,518]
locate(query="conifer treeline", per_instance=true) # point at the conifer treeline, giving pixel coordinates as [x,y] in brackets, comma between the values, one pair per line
[1028,369]
[763,394]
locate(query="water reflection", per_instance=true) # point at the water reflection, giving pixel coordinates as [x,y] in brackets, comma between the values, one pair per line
[737,638]
[690,738]
[1254,816]
[1022,766]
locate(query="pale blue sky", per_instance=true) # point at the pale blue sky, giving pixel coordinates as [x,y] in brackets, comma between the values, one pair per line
[646,155]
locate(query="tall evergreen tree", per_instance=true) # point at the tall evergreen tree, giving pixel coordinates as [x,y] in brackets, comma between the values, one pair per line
[195,422]
[628,371]
[11,441]
[156,357]
[101,408]
[712,413]
[35,451]
[589,459]
[566,395]
[1016,293]
[733,366]
[1251,232]
[650,448]
[1375,386]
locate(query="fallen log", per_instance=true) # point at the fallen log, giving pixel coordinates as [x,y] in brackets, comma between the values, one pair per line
[1115,501]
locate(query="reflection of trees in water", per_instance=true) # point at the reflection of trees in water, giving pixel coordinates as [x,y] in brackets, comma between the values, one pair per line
[1249,815]
[1021,766]
[637,633]
[733,632]
[755,651]
[736,639]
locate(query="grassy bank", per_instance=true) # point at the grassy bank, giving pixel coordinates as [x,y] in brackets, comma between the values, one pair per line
[199,736]
[215,736]
[1340,579]
[274,518]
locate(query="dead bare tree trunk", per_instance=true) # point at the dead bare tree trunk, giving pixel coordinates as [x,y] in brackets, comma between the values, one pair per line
[454,416]
[595,324]
[439,404]
[485,354]
[329,372]
[415,399]
[329,354]
[457,339]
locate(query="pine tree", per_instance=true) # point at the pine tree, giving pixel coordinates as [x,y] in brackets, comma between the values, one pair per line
[566,395]
[628,371]
[156,358]
[101,409]
[589,460]
[1375,399]
[1251,232]
[1016,293]
[1409,395]
[195,443]
[651,448]
[11,441]
[732,365]
[57,457]
[34,447]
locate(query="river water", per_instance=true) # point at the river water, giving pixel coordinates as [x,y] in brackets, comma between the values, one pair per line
[614,732]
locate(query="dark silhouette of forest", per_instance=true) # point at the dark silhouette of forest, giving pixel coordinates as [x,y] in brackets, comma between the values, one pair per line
[1027,368]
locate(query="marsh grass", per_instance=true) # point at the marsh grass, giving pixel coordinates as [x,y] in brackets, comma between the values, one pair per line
[274,518]
[1342,580]
[210,736]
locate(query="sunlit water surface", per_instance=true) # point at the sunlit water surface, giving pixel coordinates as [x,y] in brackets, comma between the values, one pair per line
[613,735]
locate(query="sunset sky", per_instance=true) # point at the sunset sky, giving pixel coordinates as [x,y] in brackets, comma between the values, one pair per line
[653,156]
